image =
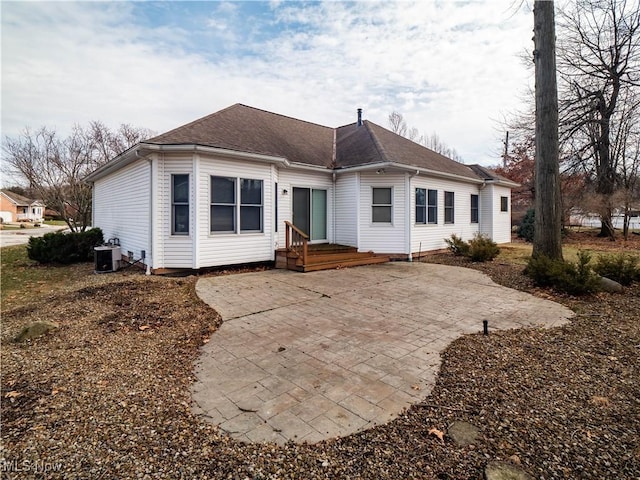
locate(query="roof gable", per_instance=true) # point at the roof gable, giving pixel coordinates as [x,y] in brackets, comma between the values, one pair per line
[371,143]
[17,199]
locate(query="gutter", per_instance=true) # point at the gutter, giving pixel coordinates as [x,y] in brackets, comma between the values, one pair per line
[410,168]
[140,150]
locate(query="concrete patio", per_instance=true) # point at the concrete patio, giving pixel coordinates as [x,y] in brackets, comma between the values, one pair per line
[306,357]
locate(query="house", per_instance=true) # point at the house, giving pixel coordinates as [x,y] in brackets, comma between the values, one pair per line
[16,208]
[232,187]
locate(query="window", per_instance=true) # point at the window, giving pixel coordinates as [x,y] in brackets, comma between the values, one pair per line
[474,208]
[381,207]
[225,215]
[449,211]
[250,205]
[504,204]
[223,204]
[180,204]
[432,206]
[421,205]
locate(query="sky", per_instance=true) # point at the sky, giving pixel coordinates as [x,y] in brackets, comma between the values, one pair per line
[454,68]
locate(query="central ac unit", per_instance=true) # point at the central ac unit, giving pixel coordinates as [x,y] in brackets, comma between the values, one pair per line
[107,258]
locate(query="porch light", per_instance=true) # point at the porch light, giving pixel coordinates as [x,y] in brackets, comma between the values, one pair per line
[380,171]
[285,191]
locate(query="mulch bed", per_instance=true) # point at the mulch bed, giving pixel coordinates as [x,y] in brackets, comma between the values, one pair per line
[107,395]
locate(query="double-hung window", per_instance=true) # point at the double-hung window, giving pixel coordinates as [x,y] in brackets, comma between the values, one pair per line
[227,193]
[449,208]
[250,205]
[382,205]
[474,209]
[421,205]
[432,206]
[426,206]
[180,204]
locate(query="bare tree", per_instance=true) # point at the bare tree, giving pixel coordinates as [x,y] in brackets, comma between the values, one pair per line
[433,142]
[547,238]
[54,167]
[599,61]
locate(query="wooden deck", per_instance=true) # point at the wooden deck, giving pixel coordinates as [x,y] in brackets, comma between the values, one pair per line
[326,257]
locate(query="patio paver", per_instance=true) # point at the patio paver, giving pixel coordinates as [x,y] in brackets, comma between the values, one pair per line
[306,357]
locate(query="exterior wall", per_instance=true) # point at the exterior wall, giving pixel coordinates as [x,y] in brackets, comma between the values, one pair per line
[213,249]
[8,209]
[487,209]
[501,220]
[172,251]
[382,237]
[346,209]
[121,207]
[425,237]
[289,178]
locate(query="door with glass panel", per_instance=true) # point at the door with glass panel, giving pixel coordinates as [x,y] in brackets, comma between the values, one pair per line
[310,212]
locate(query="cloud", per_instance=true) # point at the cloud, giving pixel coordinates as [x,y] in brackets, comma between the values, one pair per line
[449,67]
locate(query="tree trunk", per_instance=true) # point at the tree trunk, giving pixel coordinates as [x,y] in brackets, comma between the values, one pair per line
[547,238]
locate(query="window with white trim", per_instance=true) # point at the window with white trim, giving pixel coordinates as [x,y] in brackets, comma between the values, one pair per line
[475,210]
[432,206]
[382,205]
[180,204]
[504,204]
[449,207]
[421,205]
[227,193]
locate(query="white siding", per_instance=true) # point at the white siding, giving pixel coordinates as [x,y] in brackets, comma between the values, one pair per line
[289,178]
[233,248]
[501,220]
[346,209]
[382,237]
[174,251]
[487,205]
[425,237]
[122,207]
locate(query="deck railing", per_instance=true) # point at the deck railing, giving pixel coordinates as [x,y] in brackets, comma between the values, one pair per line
[296,241]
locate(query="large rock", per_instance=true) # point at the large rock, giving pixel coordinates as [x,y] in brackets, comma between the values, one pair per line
[463,433]
[505,471]
[35,330]
[609,285]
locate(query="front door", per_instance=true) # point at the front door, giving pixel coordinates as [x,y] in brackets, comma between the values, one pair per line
[310,212]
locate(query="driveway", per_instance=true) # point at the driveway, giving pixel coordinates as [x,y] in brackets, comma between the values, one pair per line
[21,236]
[305,357]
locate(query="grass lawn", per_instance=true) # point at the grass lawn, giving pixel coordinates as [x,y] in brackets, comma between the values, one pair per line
[23,279]
[56,223]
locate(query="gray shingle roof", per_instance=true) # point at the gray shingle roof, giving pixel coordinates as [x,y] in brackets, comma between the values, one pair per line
[247,129]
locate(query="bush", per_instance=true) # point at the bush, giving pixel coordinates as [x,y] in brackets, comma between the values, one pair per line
[624,269]
[573,278]
[64,248]
[457,246]
[479,249]
[482,248]
[527,226]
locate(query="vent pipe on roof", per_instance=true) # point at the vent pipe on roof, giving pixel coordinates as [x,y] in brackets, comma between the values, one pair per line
[359,117]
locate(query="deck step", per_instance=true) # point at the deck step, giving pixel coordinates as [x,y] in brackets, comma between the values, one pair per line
[342,263]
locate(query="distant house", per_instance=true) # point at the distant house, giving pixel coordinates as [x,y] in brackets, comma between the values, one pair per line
[232,187]
[15,208]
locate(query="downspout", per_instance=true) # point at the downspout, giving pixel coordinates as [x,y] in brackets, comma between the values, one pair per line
[150,252]
[333,209]
[407,216]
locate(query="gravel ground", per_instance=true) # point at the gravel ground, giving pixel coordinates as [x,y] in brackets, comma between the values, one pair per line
[107,395]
